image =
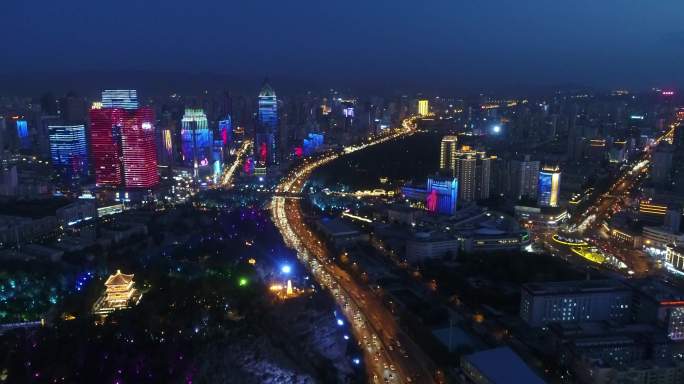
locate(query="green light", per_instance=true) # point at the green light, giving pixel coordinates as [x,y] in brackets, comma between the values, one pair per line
[242,282]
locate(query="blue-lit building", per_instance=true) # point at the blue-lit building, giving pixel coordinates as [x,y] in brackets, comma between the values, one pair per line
[225,127]
[217,159]
[196,139]
[69,149]
[264,149]
[549,186]
[23,134]
[442,195]
[120,98]
[313,142]
[439,196]
[267,126]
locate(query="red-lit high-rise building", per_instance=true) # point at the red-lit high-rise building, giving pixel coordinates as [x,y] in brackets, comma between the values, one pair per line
[139,150]
[123,147]
[105,145]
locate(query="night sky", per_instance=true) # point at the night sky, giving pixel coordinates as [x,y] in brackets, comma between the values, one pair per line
[421,44]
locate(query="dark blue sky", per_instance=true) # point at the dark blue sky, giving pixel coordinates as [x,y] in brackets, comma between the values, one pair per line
[430,44]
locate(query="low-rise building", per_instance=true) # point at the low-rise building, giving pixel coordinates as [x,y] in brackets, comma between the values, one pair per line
[656,303]
[549,217]
[575,302]
[76,212]
[596,371]
[339,231]
[625,231]
[430,245]
[661,236]
[122,231]
[498,366]
[19,229]
[674,257]
[43,253]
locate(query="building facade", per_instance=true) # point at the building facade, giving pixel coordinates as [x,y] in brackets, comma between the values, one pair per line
[442,195]
[575,302]
[423,108]
[267,126]
[120,98]
[196,139]
[447,152]
[122,142]
[524,178]
[549,186]
[69,149]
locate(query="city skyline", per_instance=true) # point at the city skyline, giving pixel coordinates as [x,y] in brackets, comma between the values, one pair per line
[440,47]
[445,192]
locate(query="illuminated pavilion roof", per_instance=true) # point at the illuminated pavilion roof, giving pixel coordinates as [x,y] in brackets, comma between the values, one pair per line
[119,279]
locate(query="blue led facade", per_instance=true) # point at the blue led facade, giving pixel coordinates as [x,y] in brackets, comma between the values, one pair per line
[196,139]
[120,98]
[23,134]
[226,131]
[217,159]
[549,187]
[446,193]
[313,142]
[267,124]
[439,195]
[69,149]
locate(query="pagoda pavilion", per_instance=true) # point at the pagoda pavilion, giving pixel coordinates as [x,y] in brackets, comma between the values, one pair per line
[120,293]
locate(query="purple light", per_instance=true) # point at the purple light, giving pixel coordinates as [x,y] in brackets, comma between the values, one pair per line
[340,322]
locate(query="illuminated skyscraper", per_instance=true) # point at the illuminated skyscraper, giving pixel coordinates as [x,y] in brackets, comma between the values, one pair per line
[120,98]
[226,131]
[267,126]
[105,145]
[123,145]
[23,134]
[197,139]
[217,159]
[549,186]
[472,169]
[68,149]
[447,152]
[524,176]
[139,151]
[423,107]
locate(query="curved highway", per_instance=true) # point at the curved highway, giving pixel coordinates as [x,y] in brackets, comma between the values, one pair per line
[389,355]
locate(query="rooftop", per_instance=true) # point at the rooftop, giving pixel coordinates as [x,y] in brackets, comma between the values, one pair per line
[503,366]
[337,227]
[658,291]
[119,279]
[575,286]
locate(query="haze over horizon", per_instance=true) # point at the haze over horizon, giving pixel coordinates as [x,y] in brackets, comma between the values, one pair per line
[436,47]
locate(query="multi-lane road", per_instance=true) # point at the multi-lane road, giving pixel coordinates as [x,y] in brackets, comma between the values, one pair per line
[625,183]
[613,200]
[229,174]
[389,355]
